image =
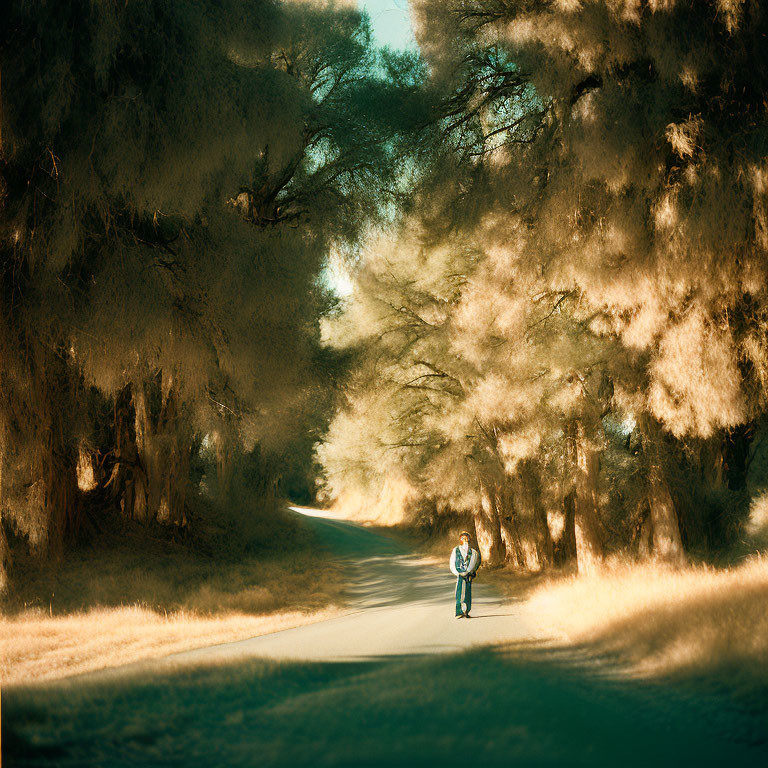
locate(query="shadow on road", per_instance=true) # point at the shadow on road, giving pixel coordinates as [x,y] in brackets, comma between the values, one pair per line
[521,708]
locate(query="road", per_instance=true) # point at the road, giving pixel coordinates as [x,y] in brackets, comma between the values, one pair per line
[396,681]
[398,606]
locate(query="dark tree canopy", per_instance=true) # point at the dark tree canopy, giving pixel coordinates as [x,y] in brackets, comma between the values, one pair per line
[173,177]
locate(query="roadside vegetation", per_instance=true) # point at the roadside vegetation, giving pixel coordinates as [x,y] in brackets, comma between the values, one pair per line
[245,566]
[565,339]
[666,621]
[175,177]
[533,710]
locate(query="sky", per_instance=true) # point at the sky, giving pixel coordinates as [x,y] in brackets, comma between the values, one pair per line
[391,22]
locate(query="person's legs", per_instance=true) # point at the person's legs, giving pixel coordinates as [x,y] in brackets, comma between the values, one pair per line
[459,586]
[468,595]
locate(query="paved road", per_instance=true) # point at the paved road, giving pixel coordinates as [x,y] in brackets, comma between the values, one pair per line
[395,682]
[398,605]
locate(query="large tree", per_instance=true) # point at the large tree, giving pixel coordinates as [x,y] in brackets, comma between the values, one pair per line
[172,177]
[607,160]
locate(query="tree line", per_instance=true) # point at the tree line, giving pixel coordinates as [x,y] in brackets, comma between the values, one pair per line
[558,316]
[567,338]
[173,176]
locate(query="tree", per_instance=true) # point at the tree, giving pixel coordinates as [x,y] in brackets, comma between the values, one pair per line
[172,177]
[643,182]
[606,163]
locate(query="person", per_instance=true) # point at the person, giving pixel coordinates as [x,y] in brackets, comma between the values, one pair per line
[464,563]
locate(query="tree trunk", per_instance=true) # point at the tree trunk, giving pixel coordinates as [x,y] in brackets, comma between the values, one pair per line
[149,451]
[645,536]
[5,552]
[535,539]
[513,548]
[5,560]
[666,541]
[225,455]
[488,530]
[164,449]
[58,471]
[510,535]
[55,464]
[128,480]
[564,543]
[667,544]
[589,544]
[178,456]
[736,452]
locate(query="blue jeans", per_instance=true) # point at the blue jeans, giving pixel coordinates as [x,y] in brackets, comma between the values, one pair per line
[463,594]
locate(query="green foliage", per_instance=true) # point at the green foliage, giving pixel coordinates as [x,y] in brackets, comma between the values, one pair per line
[173,176]
[605,165]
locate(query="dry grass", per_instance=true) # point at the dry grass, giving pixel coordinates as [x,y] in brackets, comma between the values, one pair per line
[659,621]
[134,594]
[36,647]
[177,579]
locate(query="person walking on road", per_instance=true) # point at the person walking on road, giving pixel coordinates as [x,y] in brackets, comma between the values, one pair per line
[464,563]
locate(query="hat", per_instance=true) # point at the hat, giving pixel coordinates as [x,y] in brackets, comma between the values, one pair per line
[467,534]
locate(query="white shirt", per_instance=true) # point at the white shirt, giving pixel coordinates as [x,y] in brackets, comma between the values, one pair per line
[472,562]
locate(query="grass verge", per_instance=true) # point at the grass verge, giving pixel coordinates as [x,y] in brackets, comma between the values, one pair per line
[699,623]
[135,593]
[521,709]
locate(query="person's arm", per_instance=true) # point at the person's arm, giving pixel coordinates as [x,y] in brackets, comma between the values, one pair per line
[472,563]
[452,563]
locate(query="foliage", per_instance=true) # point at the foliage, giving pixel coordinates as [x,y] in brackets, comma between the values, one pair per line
[173,176]
[604,165]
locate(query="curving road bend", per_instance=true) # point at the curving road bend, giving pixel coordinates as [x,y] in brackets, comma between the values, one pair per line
[398,605]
